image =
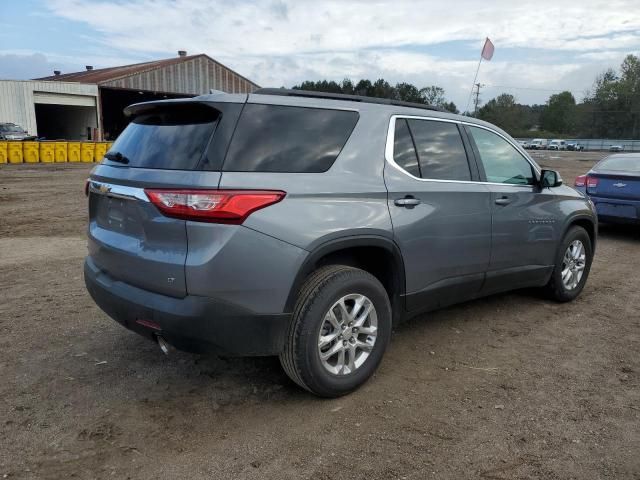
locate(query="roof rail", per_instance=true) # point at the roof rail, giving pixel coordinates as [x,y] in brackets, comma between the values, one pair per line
[340,96]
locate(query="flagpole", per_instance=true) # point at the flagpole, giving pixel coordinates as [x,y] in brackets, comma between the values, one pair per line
[474,82]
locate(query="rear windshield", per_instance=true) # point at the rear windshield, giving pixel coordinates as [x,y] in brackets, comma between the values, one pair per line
[173,138]
[273,138]
[624,163]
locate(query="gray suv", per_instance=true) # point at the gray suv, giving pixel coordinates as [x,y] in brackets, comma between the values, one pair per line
[306,225]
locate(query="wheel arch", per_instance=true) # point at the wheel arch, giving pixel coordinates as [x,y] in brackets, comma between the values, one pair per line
[375,254]
[587,222]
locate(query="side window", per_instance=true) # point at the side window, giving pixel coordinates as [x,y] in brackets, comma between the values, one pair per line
[274,138]
[404,152]
[501,161]
[440,149]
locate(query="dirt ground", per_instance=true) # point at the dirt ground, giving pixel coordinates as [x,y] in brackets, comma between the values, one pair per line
[507,387]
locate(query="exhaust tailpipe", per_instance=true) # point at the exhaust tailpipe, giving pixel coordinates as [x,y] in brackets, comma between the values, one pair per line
[164,346]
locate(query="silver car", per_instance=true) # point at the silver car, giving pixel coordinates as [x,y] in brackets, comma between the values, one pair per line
[306,225]
[11,131]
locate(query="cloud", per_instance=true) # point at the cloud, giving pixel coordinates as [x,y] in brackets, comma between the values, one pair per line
[18,66]
[544,48]
[280,10]
[287,27]
[26,64]
[613,56]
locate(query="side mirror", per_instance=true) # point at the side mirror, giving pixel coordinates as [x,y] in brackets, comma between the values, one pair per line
[550,178]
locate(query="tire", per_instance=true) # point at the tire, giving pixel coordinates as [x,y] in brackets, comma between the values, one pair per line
[558,289]
[320,293]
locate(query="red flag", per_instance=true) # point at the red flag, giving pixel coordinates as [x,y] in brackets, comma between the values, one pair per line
[487,50]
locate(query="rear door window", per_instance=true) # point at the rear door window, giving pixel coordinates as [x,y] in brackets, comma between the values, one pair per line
[440,150]
[174,137]
[274,138]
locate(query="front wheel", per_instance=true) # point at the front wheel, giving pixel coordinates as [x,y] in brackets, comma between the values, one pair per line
[340,329]
[573,263]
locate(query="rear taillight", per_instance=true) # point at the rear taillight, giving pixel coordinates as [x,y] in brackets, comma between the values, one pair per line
[592,182]
[215,206]
[581,181]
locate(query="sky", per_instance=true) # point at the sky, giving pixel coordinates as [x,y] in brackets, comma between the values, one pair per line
[541,47]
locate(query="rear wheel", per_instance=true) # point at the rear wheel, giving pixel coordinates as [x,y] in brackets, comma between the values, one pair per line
[573,263]
[340,329]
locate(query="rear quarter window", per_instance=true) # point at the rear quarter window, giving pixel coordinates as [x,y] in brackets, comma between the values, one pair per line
[274,138]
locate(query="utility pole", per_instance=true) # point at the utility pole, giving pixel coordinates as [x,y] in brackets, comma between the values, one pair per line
[476,102]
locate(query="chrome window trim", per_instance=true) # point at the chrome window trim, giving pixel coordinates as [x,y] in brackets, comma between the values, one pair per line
[388,154]
[113,190]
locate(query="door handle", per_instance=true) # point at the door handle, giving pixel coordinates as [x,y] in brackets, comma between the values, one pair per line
[503,201]
[407,201]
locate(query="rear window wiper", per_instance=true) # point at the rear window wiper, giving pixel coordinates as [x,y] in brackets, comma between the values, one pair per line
[116,157]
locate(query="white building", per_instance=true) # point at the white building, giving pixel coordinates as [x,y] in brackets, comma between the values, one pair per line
[88,104]
[55,110]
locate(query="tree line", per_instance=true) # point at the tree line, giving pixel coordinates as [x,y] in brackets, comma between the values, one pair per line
[610,109]
[406,92]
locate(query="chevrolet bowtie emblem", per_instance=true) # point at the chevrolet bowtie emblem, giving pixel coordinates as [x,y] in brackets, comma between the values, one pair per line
[619,185]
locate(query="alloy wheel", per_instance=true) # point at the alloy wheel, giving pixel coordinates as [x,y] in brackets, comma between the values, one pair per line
[573,264]
[347,334]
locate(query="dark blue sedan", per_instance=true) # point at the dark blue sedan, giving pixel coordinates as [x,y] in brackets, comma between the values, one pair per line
[613,185]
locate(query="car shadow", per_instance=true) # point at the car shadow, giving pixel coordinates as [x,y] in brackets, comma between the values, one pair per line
[138,366]
[619,231]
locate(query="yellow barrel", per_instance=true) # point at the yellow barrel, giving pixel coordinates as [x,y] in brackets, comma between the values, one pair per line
[60,152]
[47,152]
[31,151]
[87,151]
[15,152]
[4,154]
[101,149]
[109,145]
[73,151]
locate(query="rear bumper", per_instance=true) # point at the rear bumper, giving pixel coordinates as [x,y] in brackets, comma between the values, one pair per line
[194,324]
[617,210]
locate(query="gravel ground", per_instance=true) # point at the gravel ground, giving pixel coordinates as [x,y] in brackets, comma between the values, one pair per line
[511,386]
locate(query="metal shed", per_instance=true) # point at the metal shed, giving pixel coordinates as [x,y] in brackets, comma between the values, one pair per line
[51,109]
[118,87]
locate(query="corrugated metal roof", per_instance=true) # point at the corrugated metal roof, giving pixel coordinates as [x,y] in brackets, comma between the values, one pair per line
[102,75]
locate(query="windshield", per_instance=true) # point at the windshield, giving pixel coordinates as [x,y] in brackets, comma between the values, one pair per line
[623,163]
